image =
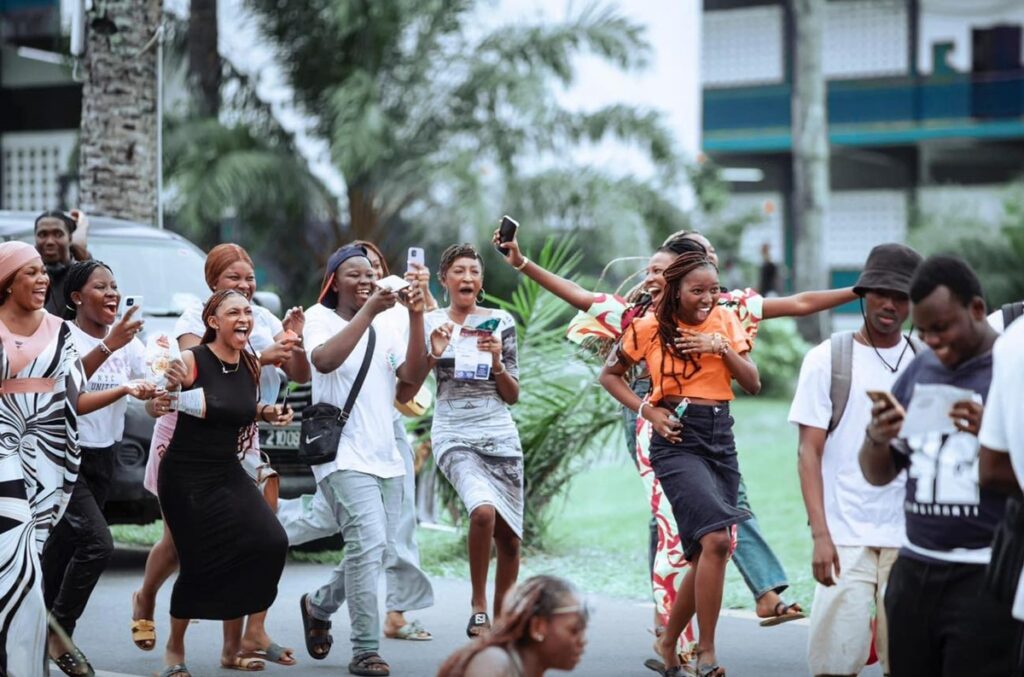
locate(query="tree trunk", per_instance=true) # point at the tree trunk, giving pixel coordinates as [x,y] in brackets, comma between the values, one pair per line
[363,213]
[203,57]
[117,154]
[810,158]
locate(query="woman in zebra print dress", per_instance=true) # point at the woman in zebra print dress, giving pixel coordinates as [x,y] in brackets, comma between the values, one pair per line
[41,377]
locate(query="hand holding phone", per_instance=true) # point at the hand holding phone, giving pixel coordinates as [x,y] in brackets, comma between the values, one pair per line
[506,233]
[416,258]
[132,302]
[886,398]
[392,283]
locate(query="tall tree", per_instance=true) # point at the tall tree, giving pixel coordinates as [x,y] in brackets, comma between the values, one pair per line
[810,157]
[432,121]
[117,153]
[204,65]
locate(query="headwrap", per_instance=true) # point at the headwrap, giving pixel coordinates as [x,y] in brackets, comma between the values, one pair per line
[13,256]
[329,297]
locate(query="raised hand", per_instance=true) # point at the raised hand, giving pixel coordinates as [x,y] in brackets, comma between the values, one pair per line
[124,330]
[440,338]
[295,320]
[380,300]
[510,249]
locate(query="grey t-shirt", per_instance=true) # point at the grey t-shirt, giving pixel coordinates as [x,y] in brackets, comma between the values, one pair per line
[451,388]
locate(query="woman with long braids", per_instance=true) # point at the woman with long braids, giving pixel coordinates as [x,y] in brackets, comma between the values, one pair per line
[601,320]
[275,343]
[475,441]
[230,546]
[693,349]
[542,627]
[77,551]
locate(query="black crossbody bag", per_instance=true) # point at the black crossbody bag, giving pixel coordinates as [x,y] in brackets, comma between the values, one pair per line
[322,423]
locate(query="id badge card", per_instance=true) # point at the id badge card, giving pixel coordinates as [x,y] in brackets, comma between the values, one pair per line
[471,363]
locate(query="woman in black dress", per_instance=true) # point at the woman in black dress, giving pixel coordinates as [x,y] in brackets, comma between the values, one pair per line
[230,545]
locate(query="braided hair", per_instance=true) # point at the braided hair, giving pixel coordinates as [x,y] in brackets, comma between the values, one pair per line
[538,596]
[77,277]
[455,252]
[252,365]
[667,313]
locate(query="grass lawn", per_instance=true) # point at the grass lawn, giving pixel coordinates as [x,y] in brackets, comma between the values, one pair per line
[599,530]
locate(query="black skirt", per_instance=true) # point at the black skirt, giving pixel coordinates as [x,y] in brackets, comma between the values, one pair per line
[700,475]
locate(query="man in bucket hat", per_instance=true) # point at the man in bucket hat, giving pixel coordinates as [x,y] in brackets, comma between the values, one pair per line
[857,528]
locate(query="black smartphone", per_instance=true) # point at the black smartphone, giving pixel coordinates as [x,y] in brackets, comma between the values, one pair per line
[506,232]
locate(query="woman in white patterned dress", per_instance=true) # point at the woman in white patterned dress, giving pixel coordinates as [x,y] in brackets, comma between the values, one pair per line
[41,378]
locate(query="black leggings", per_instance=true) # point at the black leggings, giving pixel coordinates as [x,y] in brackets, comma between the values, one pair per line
[79,547]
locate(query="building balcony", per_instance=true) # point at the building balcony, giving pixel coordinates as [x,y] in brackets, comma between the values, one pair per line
[894,111]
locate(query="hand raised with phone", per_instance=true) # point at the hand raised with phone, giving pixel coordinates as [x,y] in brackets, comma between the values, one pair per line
[124,330]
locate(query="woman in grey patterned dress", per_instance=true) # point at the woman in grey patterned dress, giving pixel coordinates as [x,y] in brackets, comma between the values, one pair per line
[476,444]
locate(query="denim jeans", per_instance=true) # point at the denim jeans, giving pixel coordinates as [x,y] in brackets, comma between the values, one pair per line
[367,509]
[760,568]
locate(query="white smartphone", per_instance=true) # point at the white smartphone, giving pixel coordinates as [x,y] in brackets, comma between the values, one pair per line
[132,302]
[416,256]
[392,283]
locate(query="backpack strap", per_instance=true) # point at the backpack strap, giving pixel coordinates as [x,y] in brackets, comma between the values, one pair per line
[842,372]
[1011,311]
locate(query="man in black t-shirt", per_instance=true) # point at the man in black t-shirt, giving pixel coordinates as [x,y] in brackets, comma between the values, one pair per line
[59,246]
[942,622]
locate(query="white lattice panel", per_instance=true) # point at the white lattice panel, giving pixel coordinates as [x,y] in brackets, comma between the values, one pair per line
[856,221]
[32,165]
[742,46]
[865,38]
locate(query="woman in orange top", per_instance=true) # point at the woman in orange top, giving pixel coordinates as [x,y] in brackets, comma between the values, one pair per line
[693,350]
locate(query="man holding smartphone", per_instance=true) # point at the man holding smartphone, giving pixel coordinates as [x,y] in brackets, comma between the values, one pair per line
[942,620]
[857,528]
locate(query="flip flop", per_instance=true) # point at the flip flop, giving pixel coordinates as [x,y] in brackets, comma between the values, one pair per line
[710,670]
[783,615]
[244,664]
[317,633]
[72,662]
[171,670]
[412,631]
[684,670]
[275,653]
[480,622]
[369,664]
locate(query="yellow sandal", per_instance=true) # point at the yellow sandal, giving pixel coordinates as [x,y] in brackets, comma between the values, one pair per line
[144,634]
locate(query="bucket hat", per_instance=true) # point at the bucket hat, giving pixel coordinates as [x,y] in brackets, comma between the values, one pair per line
[888,267]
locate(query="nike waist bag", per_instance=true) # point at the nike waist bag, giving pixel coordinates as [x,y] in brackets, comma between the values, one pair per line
[322,423]
[321,431]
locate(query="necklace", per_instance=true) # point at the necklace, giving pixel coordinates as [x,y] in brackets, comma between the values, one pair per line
[223,367]
[906,344]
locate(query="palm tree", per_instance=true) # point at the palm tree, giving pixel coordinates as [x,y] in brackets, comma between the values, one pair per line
[117,153]
[810,157]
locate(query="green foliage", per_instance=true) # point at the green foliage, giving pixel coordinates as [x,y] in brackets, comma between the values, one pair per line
[779,351]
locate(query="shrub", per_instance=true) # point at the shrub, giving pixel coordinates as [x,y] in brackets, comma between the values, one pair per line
[778,352]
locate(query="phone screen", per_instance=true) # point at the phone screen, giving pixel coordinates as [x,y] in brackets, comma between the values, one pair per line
[508,229]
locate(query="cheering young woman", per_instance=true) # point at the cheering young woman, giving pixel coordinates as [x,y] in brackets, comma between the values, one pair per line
[693,349]
[475,441]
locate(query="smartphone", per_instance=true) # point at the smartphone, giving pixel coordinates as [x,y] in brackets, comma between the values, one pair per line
[392,283]
[132,302]
[681,409]
[506,232]
[885,396]
[416,256]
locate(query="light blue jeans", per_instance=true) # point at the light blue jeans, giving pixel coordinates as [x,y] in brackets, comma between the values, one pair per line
[761,569]
[367,508]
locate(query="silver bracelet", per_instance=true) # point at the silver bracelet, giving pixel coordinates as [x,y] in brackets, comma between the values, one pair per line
[430,352]
[640,409]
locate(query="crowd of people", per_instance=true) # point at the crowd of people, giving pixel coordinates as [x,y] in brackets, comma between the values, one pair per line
[907,458]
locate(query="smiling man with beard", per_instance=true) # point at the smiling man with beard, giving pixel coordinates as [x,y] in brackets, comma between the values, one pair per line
[942,620]
[857,528]
[56,243]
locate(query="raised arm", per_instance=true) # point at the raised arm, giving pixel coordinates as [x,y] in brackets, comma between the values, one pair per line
[567,290]
[806,303]
[332,353]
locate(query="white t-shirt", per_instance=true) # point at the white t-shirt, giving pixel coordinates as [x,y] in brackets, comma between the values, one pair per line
[396,320]
[857,513]
[1002,427]
[105,426]
[367,442]
[264,328]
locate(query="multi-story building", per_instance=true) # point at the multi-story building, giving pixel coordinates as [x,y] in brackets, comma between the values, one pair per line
[925,114]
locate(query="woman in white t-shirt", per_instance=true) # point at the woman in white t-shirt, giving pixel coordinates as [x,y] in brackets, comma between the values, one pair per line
[277,344]
[79,547]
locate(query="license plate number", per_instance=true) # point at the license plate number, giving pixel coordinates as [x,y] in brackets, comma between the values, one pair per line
[279,438]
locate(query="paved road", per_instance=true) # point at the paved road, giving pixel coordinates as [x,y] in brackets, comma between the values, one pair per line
[618,638]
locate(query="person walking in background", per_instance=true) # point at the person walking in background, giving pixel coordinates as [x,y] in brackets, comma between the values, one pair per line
[768,284]
[857,528]
[61,241]
[542,627]
[601,321]
[942,622]
[39,453]
[475,441]
[277,344]
[308,518]
[693,349]
[230,547]
[364,482]
[77,551]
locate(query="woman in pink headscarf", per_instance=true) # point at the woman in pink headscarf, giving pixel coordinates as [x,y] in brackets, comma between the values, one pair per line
[40,378]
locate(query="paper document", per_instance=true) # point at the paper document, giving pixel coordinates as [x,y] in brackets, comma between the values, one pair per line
[471,363]
[930,406]
[192,402]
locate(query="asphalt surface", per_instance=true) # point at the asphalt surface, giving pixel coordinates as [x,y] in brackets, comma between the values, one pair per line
[618,637]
